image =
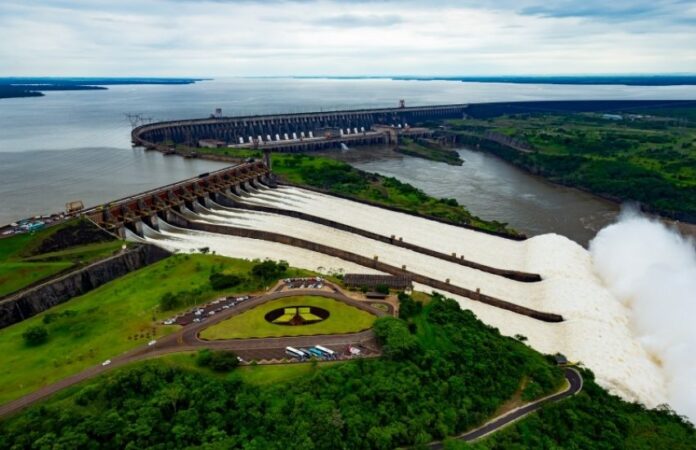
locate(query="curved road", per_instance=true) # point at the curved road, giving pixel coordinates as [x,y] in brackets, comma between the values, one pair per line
[574,386]
[187,339]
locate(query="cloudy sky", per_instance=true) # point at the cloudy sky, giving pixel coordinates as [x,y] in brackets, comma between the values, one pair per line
[340,37]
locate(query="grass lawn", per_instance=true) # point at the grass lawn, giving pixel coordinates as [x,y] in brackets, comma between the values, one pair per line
[20,266]
[16,275]
[252,324]
[109,320]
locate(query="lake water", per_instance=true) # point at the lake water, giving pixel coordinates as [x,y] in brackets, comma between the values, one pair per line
[75,145]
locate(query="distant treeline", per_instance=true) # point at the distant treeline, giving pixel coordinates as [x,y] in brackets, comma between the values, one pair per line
[13,87]
[627,80]
[488,110]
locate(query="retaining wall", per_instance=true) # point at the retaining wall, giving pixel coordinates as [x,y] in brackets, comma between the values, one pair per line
[30,302]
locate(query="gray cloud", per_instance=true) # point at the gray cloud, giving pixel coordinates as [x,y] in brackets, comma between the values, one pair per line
[338,37]
[356,21]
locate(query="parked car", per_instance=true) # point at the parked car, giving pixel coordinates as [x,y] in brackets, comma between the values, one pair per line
[106,363]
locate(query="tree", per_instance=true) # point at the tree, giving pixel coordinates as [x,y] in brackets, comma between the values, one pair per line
[220,280]
[35,335]
[269,269]
[382,289]
[169,302]
[219,361]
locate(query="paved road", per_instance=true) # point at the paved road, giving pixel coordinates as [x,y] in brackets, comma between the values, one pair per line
[187,339]
[574,386]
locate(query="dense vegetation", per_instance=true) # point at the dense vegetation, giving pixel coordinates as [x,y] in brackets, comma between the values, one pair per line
[342,179]
[649,159]
[113,318]
[449,374]
[427,149]
[593,420]
[31,257]
[219,361]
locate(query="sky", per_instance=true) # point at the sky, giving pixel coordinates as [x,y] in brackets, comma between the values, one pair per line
[226,38]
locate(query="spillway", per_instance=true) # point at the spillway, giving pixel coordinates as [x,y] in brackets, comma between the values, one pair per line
[596,329]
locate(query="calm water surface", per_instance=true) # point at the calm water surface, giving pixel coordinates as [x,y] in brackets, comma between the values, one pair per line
[76,145]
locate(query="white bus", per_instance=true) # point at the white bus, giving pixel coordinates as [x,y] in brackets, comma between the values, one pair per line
[295,353]
[325,350]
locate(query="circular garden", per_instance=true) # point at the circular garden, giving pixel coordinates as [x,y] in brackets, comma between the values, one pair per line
[297,315]
[292,316]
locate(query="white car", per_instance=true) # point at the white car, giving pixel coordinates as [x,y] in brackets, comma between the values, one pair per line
[151,343]
[106,363]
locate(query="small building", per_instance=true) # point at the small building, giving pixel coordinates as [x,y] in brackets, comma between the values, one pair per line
[211,143]
[370,281]
[560,359]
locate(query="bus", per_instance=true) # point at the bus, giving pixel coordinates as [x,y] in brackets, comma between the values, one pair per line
[327,351]
[306,353]
[294,353]
[317,353]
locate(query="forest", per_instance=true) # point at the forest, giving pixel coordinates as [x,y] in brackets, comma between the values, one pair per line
[646,156]
[443,372]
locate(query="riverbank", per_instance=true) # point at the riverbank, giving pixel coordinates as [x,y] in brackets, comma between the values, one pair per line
[428,149]
[340,178]
[647,159]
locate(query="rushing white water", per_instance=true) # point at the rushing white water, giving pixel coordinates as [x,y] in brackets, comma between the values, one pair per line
[178,239]
[597,327]
[652,271]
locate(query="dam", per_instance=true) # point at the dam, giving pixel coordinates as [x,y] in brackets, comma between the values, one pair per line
[567,310]
[543,289]
[296,132]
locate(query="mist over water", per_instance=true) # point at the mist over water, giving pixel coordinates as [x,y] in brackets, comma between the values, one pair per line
[652,270]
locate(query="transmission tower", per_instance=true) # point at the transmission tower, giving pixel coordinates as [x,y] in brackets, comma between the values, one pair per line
[134,119]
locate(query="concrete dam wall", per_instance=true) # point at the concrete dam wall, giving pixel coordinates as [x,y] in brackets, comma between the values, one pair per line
[285,130]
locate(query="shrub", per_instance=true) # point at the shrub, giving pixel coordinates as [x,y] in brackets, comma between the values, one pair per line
[219,361]
[408,307]
[382,289]
[397,341]
[35,335]
[169,301]
[222,281]
[269,269]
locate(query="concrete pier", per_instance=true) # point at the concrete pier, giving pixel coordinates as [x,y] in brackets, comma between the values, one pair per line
[130,212]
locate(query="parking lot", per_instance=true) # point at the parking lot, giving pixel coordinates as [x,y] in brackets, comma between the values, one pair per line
[200,313]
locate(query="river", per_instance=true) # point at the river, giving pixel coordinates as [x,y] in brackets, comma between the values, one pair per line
[495,190]
[75,145]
